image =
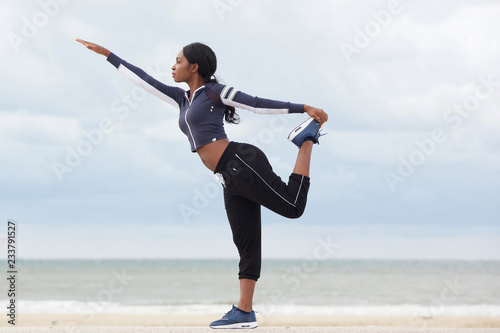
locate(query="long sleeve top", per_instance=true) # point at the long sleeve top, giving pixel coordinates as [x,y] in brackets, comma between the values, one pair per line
[201,119]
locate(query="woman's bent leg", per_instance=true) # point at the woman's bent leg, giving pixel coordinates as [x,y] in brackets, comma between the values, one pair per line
[253,178]
[303,163]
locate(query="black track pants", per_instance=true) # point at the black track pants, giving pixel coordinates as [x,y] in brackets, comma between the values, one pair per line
[249,183]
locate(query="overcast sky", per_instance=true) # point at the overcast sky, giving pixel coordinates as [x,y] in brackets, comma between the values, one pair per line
[91,167]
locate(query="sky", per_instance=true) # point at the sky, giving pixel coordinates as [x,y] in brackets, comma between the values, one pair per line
[92,167]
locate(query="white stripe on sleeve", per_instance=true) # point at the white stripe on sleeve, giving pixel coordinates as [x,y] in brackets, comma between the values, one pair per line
[254,109]
[149,88]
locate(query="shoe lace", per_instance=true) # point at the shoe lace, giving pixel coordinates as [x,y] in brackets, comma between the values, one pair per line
[227,314]
[320,134]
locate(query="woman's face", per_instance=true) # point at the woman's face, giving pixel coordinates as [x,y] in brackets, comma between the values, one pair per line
[182,70]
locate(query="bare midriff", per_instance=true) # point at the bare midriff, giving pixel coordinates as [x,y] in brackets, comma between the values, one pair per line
[211,153]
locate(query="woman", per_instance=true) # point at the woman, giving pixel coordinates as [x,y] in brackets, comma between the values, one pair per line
[244,171]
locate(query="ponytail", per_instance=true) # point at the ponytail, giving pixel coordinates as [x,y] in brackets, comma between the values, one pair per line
[204,56]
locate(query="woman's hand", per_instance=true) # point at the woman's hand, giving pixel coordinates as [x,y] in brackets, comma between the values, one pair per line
[318,114]
[94,47]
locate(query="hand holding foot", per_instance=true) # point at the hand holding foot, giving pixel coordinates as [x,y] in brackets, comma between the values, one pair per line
[318,114]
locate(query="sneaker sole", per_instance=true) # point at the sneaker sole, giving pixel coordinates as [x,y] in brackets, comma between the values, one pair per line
[253,324]
[299,129]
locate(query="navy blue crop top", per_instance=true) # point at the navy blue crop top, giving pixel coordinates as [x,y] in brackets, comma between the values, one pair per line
[202,119]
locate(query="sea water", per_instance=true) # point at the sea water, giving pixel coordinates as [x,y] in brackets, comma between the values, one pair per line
[330,287]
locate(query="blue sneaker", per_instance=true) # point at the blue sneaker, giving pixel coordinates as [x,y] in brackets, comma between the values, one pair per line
[236,319]
[308,130]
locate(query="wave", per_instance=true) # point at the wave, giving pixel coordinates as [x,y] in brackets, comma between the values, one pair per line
[403,310]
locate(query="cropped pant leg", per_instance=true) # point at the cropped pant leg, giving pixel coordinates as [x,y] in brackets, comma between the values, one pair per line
[245,221]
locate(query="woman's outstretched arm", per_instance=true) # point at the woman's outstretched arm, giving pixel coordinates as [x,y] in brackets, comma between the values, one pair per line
[94,47]
[169,94]
[233,97]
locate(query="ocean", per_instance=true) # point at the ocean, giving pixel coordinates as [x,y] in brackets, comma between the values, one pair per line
[307,287]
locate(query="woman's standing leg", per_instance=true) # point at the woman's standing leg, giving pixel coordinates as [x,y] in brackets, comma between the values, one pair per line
[247,288]
[244,218]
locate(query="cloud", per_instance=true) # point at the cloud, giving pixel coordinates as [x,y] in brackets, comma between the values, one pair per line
[384,105]
[29,141]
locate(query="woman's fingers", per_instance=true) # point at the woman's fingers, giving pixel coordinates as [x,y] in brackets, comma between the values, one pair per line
[82,41]
[85,43]
[94,47]
[321,116]
[88,45]
[318,114]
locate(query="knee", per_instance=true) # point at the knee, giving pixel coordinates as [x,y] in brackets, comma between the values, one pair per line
[299,213]
[296,213]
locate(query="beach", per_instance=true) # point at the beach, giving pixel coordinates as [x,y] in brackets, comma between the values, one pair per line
[68,321]
[261,330]
[338,296]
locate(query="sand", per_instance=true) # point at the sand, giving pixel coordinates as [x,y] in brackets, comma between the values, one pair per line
[134,329]
[101,323]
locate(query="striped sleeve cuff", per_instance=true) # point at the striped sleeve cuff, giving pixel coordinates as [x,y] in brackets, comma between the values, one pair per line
[232,97]
[296,108]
